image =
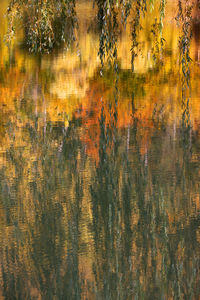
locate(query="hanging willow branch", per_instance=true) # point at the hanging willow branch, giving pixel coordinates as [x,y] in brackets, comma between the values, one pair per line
[184,18]
[108,25]
[47,23]
[140,8]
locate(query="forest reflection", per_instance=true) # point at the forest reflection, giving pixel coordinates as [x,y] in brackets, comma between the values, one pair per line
[99,175]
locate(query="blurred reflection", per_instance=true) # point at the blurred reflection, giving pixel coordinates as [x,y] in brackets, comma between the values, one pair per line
[124,226]
[99,175]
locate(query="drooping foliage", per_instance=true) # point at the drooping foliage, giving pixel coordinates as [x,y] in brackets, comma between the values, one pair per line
[47,23]
[185,18]
[50,23]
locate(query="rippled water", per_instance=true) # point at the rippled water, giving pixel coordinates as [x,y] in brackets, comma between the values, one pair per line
[99,175]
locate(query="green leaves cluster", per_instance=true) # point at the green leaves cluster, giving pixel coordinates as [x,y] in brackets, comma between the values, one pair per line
[47,23]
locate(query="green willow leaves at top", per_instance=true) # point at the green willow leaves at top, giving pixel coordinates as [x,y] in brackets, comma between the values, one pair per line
[47,23]
[50,23]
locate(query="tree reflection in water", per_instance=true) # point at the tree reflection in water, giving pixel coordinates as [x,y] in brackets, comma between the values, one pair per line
[133,227]
[122,223]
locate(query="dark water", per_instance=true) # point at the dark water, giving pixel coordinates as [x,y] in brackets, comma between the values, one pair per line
[99,175]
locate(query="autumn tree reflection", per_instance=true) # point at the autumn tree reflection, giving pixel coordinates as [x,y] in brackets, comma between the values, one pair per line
[99,175]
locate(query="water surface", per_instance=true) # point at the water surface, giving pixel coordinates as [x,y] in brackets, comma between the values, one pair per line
[99,170]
